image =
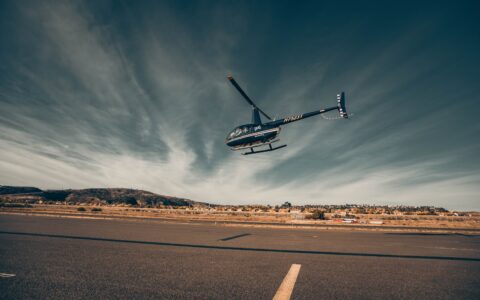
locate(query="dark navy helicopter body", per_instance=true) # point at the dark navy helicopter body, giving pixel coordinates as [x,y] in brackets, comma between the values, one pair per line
[258,134]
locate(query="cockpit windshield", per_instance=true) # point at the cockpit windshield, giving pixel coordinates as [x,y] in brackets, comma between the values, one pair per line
[238,132]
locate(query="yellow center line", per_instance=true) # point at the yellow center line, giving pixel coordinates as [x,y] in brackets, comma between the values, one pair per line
[285,290]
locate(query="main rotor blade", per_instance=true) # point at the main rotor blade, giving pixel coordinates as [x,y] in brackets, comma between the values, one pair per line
[239,89]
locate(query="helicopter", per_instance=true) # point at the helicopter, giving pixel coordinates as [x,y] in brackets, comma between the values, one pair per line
[257,133]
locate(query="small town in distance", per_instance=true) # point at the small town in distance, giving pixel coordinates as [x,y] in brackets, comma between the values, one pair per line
[137,203]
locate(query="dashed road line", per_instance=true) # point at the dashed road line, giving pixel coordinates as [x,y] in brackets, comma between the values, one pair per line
[234,237]
[6,275]
[285,290]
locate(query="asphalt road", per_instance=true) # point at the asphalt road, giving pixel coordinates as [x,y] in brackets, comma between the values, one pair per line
[83,258]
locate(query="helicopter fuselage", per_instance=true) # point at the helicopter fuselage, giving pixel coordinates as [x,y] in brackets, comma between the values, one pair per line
[251,134]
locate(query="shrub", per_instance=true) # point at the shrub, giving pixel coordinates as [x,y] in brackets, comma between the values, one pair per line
[56,195]
[81,209]
[16,205]
[317,215]
[131,200]
[96,209]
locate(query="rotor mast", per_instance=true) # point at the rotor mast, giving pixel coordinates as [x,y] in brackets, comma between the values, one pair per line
[256,120]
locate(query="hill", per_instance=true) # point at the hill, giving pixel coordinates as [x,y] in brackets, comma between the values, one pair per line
[5,190]
[89,196]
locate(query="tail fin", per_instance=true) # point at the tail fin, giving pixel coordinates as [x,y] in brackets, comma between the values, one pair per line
[341,105]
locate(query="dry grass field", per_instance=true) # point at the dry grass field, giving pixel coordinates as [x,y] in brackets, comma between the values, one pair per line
[422,222]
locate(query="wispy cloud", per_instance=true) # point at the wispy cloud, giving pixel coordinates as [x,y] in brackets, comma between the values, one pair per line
[139,99]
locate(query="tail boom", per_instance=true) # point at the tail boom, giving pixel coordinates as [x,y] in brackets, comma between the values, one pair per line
[342,110]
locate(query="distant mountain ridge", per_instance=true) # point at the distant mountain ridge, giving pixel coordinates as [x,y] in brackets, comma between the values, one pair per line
[5,189]
[90,196]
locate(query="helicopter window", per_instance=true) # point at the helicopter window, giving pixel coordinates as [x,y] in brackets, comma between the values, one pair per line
[238,131]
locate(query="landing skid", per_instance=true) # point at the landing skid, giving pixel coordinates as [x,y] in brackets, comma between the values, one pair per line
[266,150]
[253,145]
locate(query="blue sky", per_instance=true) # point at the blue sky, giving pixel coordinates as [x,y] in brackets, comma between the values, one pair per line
[134,94]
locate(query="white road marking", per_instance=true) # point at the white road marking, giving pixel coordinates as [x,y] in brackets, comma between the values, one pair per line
[6,275]
[446,248]
[285,290]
